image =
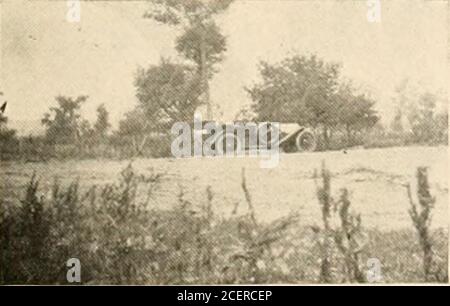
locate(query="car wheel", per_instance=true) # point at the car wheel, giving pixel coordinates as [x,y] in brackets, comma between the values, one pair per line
[306,142]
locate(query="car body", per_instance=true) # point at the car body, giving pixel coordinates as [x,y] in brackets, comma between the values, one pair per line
[292,137]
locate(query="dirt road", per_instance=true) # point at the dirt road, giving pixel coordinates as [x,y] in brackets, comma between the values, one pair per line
[375,179]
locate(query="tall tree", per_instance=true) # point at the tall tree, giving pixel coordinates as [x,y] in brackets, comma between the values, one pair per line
[201,40]
[167,93]
[397,123]
[63,121]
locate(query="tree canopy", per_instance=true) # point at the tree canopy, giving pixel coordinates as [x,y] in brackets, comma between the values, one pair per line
[167,93]
[102,124]
[201,41]
[186,12]
[308,91]
[63,122]
[189,44]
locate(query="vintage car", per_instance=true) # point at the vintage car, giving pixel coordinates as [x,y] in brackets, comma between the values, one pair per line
[291,137]
[297,138]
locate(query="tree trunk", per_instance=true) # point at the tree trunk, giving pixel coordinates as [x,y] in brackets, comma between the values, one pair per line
[349,135]
[204,79]
[326,139]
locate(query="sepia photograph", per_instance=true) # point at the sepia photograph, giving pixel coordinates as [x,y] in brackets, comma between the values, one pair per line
[224,142]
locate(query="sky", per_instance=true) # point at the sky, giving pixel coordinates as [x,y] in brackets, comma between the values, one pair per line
[43,55]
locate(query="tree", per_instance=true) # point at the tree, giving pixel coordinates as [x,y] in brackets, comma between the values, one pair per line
[299,89]
[400,102]
[397,124]
[9,143]
[189,45]
[88,135]
[102,124]
[63,122]
[306,90]
[425,113]
[8,137]
[201,41]
[422,118]
[167,93]
[133,131]
[354,112]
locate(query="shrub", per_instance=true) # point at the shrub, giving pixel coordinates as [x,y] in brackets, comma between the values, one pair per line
[120,238]
[421,217]
[9,144]
[250,260]
[347,236]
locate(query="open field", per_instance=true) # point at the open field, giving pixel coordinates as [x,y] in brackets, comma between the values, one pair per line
[178,239]
[375,178]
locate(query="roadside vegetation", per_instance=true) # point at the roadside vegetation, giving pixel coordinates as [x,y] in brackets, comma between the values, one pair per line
[120,238]
[352,123]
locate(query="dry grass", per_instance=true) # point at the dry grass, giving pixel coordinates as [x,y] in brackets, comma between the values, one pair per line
[120,238]
[346,235]
[421,215]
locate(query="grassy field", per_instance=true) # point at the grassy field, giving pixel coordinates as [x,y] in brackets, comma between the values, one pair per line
[375,178]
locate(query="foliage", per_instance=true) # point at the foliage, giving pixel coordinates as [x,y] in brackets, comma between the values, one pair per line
[132,133]
[167,93]
[427,125]
[201,40]
[9,144]
[421,217]
[9,141]
[120,238]
[355,113]
[251,261]
[306,90]
[38,239]
[422,115]
[69,135]
[102,124]
[325,201]
[345,235]
[173,12]
[63,121]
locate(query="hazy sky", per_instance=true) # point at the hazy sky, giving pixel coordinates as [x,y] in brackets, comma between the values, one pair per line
[43,55]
